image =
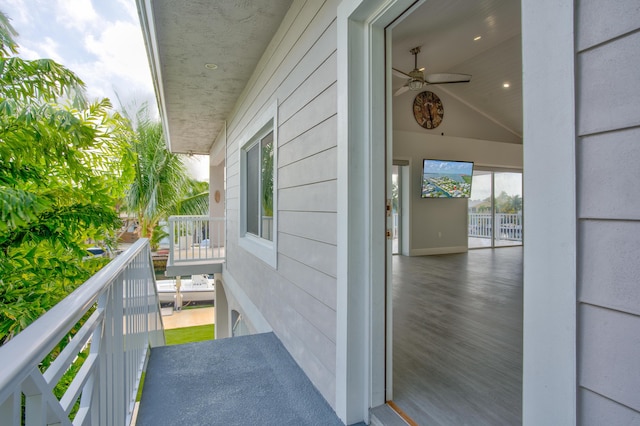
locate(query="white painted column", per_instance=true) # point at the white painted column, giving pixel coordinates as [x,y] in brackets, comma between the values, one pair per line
[549,180]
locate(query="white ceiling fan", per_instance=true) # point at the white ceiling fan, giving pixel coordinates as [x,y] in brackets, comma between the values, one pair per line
[416,79]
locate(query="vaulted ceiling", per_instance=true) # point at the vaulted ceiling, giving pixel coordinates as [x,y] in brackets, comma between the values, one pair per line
[448,32]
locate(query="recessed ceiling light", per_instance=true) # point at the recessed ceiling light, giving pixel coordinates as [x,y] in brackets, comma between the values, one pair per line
[506,85]
[211,66]
[476,38]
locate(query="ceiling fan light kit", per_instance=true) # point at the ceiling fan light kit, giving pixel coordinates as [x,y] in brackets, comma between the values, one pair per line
[416,79]
[415,84]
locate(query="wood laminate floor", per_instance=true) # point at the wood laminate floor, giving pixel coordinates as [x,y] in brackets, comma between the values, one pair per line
[457,337]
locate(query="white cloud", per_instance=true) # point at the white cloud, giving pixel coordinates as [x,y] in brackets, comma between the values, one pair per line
[48,49]
[29,54]
[130,7]
[18,11]
[78,14]
[120,52]
[103,45]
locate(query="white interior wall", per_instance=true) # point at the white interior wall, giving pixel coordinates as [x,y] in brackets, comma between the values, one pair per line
[459,119]
[439,226]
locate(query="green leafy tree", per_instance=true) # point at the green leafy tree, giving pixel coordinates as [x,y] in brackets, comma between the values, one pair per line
[63,166]
[161,185]
[267,179]
[506,203]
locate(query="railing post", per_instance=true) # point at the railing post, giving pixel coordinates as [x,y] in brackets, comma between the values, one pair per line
[172,239]
[203,239]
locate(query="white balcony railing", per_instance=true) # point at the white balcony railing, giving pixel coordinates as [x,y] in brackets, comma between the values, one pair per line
[196,238]
[125,321]
[509,226]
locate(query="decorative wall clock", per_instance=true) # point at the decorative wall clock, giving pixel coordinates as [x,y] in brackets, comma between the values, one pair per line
[428,110]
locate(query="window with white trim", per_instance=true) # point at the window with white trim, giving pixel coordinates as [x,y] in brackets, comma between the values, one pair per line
[259,195]
[258,229]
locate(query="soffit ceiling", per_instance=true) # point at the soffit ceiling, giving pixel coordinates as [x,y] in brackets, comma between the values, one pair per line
[445,30]
[233,34]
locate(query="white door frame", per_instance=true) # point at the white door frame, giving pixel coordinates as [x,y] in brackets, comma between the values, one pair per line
[549,376]
[362,171]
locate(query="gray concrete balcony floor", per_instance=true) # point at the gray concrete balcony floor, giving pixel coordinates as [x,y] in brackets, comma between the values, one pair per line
[248,380]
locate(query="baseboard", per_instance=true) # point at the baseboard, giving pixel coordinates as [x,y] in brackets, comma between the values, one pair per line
[438,250]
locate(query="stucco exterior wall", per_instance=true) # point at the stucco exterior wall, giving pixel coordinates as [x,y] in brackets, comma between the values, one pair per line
[608,159]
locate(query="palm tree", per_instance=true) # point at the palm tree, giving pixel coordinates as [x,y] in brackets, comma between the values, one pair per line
[161,186]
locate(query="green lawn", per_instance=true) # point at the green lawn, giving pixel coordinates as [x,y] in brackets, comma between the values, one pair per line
[178,336]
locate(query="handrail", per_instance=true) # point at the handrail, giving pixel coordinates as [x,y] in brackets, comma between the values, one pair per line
[195,238]
[127,310]
[508,226]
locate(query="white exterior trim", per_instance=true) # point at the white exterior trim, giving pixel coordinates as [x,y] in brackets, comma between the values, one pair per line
[549,327]
[265,250]
[360,354]
[147,21]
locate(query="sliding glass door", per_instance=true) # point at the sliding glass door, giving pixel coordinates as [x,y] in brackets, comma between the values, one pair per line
[495,209]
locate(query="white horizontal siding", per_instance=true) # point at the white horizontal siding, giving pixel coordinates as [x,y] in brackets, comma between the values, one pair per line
[318,284]
[324,227]
[608,168]
[319,197]
[322,78]
[315,112]
[319,168]
[315,254]
[610,265]
[312,22]
[609,86]
[608,154]
[614,374]
[603,20]
[598,410]
[313,141]
[298,299]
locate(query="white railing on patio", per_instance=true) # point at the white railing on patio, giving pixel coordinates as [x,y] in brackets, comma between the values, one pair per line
[509,226]
[124,322]
[196,238]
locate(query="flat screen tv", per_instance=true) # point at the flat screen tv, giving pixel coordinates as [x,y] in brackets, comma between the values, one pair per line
[446,179]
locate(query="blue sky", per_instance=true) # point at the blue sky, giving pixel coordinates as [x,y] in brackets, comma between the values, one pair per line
[99,40]
[447,167]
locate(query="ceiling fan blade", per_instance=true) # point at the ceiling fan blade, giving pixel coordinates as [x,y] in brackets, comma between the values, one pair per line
[399,73]
[401,90]
[444,78]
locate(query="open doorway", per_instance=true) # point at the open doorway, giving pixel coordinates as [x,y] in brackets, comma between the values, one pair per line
[457,314]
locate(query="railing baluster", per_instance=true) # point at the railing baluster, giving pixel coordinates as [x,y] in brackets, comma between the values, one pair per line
[126,321]
[195,238]
[508,226]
